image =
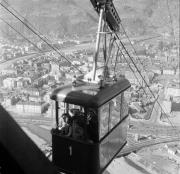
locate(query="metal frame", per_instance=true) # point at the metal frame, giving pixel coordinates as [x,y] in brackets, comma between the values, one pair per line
[18,152]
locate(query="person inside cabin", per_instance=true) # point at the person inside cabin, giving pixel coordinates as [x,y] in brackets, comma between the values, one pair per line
[101,82]
[74,80]
[92,125]
[65,125]
[114,78]
[78,124]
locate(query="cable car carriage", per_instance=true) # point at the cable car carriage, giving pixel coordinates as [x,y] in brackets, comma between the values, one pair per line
[91,126]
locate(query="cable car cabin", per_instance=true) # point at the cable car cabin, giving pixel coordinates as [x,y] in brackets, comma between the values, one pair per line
[91,126]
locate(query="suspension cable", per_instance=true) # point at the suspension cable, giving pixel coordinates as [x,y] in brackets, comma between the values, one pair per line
[30,24]
[117,54]
[170,20]
[142,77]
[131,68]
[20,34]
[134,47]
[57,51]
[135,75]
[137,78]
[139,58]
[30,28]
[136,68]
[173,33]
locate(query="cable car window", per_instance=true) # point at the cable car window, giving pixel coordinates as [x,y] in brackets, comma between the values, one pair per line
[115,105]
[66,108]
[90,92]
[92,125]
[123,130]
[53,113]
[113,143]
[103,119]
[110,146]
[62,108]
[72,106]
[72,121]
[104,153]
[125,107]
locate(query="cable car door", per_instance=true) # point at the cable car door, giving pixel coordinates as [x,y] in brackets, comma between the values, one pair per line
[62,152]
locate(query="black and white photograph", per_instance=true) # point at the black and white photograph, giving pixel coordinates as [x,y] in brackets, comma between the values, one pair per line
[90,86]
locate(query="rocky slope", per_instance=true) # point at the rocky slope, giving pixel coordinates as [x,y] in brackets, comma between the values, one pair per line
[68,17]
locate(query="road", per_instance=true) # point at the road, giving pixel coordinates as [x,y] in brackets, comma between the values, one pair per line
[156,112]
[90,45]
[7,63]
[137,146]
[157,109]
[41,128]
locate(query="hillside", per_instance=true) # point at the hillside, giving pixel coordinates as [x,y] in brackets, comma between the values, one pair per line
[69,17]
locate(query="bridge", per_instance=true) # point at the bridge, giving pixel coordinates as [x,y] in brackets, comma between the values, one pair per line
[139,145]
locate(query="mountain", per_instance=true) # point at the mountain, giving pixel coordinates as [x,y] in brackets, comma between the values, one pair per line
[69,17]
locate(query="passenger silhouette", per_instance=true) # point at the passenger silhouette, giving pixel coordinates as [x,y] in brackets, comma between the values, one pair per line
[66,125]
[78,124]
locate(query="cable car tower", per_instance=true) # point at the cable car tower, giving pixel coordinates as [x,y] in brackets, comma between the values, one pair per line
[91,114]
[108,25]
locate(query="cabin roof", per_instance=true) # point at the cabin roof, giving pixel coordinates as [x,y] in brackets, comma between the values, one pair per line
[89,95]
[175,107]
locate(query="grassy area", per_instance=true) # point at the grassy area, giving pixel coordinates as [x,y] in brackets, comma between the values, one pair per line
[42,133]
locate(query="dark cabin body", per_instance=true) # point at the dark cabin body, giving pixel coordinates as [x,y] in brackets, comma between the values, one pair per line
[106,115]
[112,16]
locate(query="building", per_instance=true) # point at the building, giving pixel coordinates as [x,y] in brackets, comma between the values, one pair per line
[9,83]
[22,82]
[8,71]
[11,101]
[35,98]
[54,69]
[168,72]
[46,97]
[135,78]
[172,150]
[167,106]
[175,108]
[47,66]
[172,91]
[32,107]
[33,91]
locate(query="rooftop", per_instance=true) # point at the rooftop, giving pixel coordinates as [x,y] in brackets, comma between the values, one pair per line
[89,95]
